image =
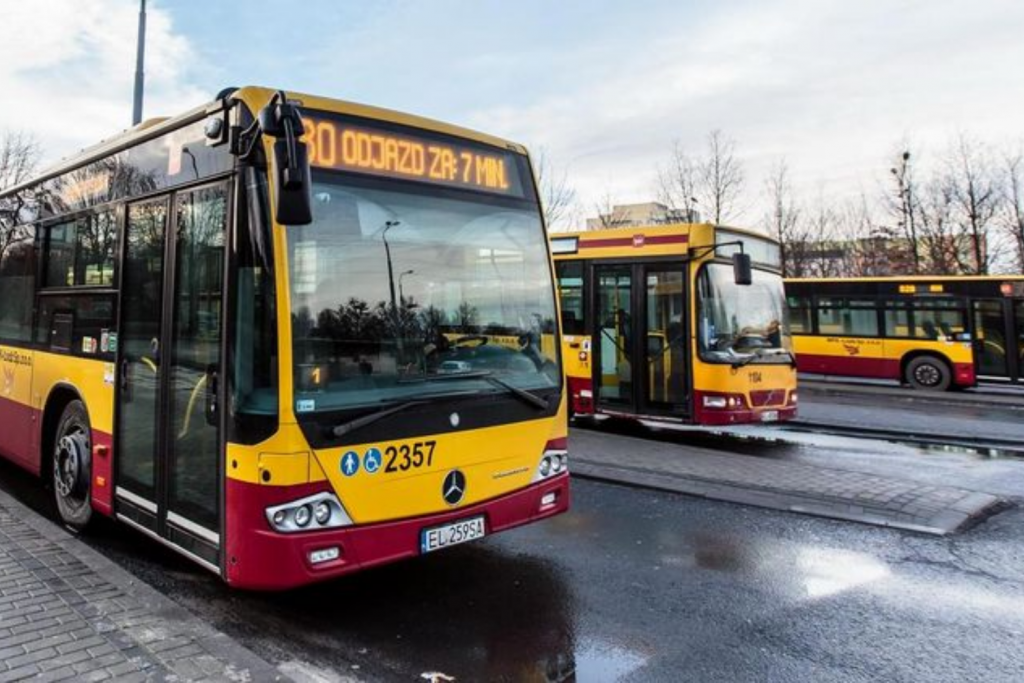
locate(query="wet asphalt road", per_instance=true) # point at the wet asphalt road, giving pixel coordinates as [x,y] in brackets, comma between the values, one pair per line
[638,585]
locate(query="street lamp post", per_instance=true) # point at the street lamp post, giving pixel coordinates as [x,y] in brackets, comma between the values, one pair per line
[391,283]
[401,292]
[140,53]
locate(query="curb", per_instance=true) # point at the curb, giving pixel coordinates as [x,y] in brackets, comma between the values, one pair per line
[965,514]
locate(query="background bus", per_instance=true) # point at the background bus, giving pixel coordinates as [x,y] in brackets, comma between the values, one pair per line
[655,325]
[286,373]
[928,332]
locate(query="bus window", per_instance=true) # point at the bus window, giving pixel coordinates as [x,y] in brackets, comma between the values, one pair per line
[60,255]
[17,282]
[800,315]
[570,289]
[1019,316]
[939,324]
[847,317]
[897,319]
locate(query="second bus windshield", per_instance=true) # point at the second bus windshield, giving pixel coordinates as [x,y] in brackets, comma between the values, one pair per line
[742,322]
[393,288]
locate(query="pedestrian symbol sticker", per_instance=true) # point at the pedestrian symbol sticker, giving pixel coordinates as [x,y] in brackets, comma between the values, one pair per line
[371,461]
[350,463]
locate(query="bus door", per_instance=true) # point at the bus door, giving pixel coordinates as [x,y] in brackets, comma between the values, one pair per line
[168,441]
[614,338]
[640,364]
[993,339]
[665,351]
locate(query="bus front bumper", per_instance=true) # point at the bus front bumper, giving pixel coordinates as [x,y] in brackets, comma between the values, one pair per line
[259,558]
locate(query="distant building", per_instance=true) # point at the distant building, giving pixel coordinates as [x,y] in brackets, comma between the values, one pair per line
[879,255]
[648,213]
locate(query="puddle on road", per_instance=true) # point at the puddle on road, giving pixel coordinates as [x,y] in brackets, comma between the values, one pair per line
[825,572]
[807,571]
[601,661]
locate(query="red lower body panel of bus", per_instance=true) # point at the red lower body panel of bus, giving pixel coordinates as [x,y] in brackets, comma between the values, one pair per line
[262,559]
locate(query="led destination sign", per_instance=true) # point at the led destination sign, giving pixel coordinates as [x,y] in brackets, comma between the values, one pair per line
[361,148]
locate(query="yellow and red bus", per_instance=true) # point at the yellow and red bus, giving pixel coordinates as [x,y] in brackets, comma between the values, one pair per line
[683,323]
[289,337]
[926,332]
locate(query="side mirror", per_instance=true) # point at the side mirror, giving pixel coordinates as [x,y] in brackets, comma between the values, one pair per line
[292,183]
[292,194]
[742,271]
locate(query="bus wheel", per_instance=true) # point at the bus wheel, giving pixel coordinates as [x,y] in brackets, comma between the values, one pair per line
[926,372]
[72,467]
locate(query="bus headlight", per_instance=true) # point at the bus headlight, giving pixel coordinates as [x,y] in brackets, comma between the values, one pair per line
[714,401]
[320,511]
[551,463]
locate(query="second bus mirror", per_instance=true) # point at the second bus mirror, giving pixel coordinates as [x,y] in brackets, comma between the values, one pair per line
[742,271]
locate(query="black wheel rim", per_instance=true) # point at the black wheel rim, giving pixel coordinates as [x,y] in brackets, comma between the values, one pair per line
[927,375]
[70,475]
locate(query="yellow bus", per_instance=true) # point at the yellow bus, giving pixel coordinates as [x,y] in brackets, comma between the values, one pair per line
[927,332]
[683,323]
[287,336]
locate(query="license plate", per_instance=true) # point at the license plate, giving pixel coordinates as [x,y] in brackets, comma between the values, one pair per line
[770,416]
[451,534]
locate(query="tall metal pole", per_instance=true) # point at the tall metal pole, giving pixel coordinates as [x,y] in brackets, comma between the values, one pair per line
[139,60]
[391,284]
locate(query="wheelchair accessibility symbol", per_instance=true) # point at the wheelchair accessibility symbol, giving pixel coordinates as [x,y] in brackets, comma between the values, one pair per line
[371,461]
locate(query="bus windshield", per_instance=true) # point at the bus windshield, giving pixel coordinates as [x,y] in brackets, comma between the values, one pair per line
[399,293]
[743,323]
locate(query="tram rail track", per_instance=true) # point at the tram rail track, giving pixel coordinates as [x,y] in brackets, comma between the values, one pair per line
[987,445]
[1005,398]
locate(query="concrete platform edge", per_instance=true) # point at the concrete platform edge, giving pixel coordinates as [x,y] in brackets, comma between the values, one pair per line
[943,523]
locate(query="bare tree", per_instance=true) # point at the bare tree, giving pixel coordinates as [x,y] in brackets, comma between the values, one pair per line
[1011,217]
[865,254]
[972,185]
[19,156]
[557,195]
[901,206]
[783,221]
[720,179]
[677,182]
[607,214]
[824,258]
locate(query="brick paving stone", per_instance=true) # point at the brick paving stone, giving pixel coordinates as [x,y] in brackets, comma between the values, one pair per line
[777,484]
[67,613]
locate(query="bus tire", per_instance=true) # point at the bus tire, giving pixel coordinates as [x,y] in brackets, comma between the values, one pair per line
[928,372]
[71,473]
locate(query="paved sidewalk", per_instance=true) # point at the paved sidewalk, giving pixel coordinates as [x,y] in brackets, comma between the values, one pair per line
[795,487]
[68,613]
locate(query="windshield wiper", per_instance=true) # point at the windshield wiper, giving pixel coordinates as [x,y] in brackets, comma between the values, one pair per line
[485,375]
[360,422]
[522,394]
[754,355]
[352,425]
[760,353]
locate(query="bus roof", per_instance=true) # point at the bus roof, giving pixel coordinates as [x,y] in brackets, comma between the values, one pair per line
[254,97]
[909,278]
[648,240]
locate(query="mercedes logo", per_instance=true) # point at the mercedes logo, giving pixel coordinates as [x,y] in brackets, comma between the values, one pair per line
[454,487]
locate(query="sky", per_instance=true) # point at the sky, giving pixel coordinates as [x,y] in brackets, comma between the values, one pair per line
[603,88]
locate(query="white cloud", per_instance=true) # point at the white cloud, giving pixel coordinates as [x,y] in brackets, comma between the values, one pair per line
[831,86]
[67,70]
